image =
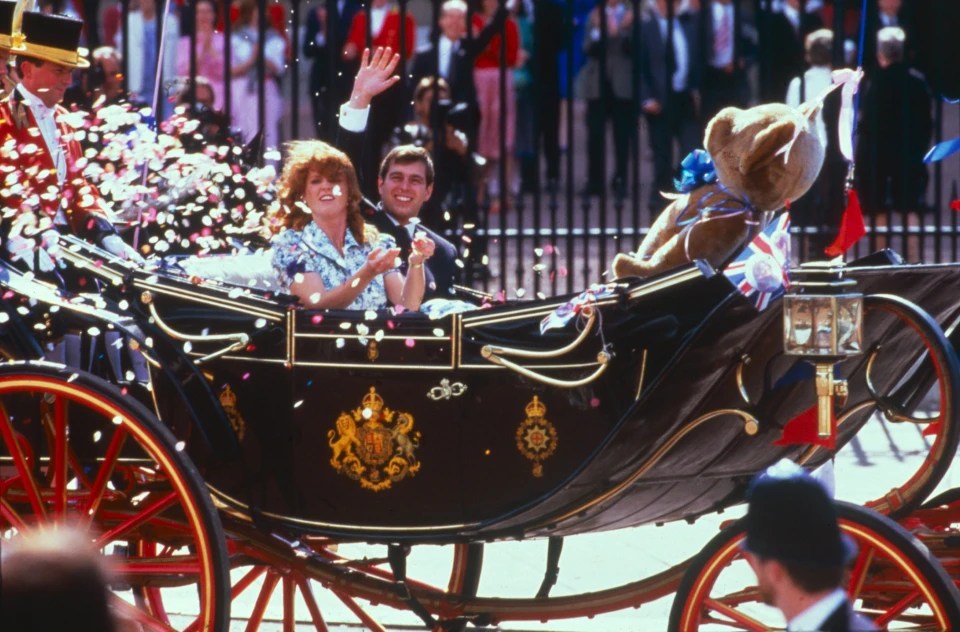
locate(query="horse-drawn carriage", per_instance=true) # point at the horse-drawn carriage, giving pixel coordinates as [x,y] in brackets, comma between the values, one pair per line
[212,435]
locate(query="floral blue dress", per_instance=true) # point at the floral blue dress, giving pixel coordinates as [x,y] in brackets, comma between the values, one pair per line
[310,250]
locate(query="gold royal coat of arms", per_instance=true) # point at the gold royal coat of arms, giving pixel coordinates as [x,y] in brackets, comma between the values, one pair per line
[375,445]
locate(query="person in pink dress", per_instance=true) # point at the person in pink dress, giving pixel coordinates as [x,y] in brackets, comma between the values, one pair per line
[209,51]
[245,85]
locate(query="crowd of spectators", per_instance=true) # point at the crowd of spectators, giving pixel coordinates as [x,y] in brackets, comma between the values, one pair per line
[668,69]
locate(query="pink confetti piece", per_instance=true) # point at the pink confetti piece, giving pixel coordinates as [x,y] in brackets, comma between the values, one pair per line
[410,342]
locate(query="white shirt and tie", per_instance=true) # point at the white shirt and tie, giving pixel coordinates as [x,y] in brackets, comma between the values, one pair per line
[681,53]
[47,123]
[50,133]
[447,50]
[722,55]
[792,15]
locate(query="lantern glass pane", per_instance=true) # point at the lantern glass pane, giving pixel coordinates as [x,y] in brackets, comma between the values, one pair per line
[849,324]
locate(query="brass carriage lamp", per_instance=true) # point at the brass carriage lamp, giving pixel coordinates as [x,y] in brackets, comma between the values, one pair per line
[823,323]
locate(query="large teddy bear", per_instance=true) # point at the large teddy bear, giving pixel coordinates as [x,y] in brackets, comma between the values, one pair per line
[764,157]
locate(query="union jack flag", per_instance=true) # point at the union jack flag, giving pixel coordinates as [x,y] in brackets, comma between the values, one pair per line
[761,271]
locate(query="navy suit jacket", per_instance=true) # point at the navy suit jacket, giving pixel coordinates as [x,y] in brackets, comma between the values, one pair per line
[426,63]
[844,619]
[655,82]
[325,56]
[441,270]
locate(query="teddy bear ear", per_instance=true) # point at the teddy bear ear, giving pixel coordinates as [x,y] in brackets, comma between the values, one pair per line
[766,144]
[719,130]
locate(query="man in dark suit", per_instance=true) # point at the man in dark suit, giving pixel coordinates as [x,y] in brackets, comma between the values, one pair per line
[782,36]
[453,56]
[669,91]
[606,86]
[405,184]
[550,33]
[325,35]
[405,180]
[725,48]
[795,547]
[895,132]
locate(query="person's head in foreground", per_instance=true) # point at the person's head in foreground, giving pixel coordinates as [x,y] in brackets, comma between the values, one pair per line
[53,580]
[794,543]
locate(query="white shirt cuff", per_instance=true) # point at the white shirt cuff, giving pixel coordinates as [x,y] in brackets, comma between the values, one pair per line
[353,119]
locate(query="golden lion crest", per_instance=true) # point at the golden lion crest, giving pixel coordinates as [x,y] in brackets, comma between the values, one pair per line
[374,445]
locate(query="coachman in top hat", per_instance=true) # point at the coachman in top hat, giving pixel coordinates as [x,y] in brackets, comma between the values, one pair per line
[42,188]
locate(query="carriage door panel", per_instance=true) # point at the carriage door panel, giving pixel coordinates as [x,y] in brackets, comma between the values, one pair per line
[379,428]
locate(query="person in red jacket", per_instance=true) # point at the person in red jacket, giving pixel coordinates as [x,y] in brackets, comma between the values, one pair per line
[389,108]
[486,76]
[42,189]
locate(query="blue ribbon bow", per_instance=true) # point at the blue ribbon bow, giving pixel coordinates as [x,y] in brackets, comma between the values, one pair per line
[696,170]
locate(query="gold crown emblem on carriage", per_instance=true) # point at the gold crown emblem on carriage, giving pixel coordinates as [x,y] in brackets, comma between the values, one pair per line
[536,437]
[372,401]
[374,445]
[536,408]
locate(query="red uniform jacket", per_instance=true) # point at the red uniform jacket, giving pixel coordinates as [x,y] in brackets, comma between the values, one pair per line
[28,176]
[490,57]
[389,34]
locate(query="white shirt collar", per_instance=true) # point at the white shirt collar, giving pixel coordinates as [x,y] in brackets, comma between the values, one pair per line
[813,617]
[40,109]
[793,15]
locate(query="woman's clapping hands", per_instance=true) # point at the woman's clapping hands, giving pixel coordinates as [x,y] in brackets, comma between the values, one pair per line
[381,260]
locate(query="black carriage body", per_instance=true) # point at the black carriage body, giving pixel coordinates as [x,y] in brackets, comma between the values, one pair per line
[383,427]
[471,461]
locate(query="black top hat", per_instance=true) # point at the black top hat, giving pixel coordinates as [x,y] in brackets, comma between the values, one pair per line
[53,38]
[8,11]
[791,518]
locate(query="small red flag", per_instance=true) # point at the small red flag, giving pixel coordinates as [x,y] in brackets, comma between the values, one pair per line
[852,227]
[955,205]
[803,429]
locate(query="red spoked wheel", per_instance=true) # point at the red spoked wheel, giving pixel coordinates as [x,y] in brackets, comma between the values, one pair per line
[281,580]
[910,380]
[274,584]
[74,450]
[894,580]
